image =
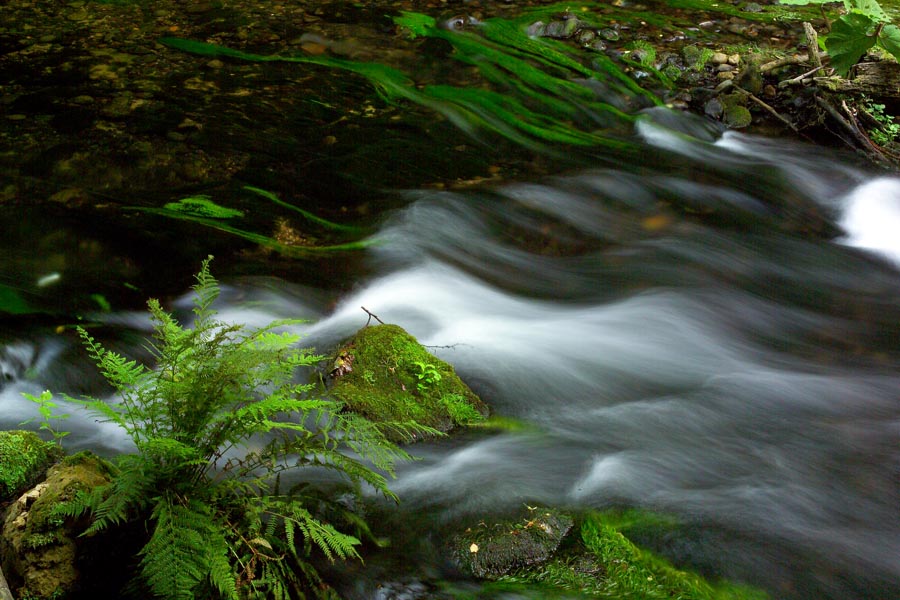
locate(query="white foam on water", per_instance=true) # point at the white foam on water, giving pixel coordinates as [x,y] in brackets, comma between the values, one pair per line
[872,218]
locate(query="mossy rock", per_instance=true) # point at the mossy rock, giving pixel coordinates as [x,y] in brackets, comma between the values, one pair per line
[605,563]
[24,458]
[38,544]
[492,549]
[385,375]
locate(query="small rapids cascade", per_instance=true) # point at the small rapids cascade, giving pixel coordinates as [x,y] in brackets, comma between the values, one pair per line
[712,332]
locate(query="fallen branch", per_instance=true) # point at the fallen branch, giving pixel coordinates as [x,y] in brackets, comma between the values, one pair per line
[862,140]
[794,59]
[771,110]
[799,79]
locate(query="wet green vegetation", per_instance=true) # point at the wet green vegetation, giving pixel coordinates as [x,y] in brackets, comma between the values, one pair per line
[604,563]
[384,374]
[24,457]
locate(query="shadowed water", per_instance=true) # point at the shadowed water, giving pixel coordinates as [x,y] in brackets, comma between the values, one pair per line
[680,337]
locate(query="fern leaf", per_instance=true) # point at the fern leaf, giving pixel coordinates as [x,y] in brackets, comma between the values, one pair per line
[187,548]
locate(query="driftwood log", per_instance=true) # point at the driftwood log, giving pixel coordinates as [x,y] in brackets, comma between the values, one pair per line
[879,79]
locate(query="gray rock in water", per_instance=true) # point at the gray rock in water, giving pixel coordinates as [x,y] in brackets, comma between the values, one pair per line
[492,548]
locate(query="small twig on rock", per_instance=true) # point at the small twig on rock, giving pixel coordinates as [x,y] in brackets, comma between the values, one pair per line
[371,316]
[771,110]
[799,79]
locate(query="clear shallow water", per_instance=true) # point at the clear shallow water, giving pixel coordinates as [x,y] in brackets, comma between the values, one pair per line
[675,334]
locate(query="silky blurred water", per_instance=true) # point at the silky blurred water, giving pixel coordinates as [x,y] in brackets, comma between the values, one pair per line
[679,335]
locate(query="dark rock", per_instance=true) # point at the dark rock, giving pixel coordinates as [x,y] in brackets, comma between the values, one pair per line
[39,546]
[490,549]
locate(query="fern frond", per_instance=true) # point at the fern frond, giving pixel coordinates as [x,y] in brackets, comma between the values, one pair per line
[206,290]
[120,372]
[187,548]
[125,496]
[329,540]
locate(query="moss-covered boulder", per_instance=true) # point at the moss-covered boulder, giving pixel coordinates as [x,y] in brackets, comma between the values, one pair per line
[604,563]
[385,375]
[37,544]
[490,549]
[24,459]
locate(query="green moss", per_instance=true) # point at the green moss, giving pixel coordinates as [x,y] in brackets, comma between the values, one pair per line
[609,565]
[385,375]
[77,473]
[24,457]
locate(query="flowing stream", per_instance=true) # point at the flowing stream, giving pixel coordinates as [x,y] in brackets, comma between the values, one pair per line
[714,333]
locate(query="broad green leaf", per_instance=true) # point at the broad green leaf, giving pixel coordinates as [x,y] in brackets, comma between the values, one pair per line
[890,40]
[870,8]
[850,37]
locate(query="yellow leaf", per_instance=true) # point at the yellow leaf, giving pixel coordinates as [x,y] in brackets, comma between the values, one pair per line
[261,542]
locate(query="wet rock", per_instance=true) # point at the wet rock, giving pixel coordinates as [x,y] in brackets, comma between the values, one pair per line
[751,78]
[752,7]
[713,108]
[719,58]
[737,117]
[586,36]
[39,547]
[490,549]
[609,34]
[536,29]
[562,29]
[691,55]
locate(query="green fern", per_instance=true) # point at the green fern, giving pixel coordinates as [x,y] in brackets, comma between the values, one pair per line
[215,422]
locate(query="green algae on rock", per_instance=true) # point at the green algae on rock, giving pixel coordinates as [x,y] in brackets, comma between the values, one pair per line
[24,458]
[385,375]
[38,543]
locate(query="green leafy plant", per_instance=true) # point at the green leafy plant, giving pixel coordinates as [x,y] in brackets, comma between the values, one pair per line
[427,375]
[864,26]
[215,424]
[887,129]
[46,406]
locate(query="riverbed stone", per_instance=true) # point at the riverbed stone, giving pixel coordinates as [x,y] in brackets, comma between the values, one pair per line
[385,375]
[492,548]
[40,546]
